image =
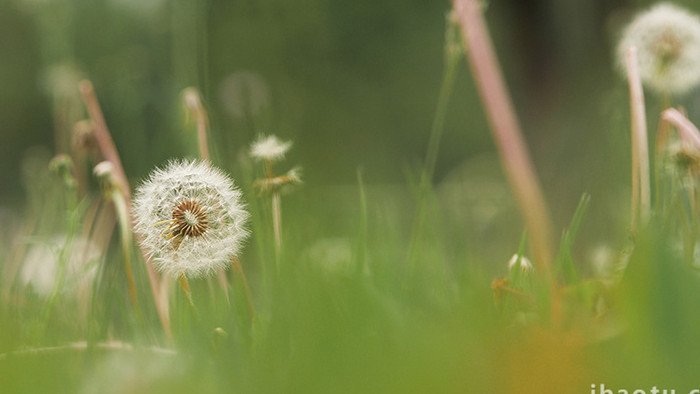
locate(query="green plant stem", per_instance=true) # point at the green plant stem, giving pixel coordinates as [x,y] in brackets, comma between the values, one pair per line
[436,131]
[238,269]
[185,284]
[276,203]
[125,232]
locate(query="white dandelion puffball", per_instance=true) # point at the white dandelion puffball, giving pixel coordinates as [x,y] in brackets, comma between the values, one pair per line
[668,48]
[190,218]
[269,148]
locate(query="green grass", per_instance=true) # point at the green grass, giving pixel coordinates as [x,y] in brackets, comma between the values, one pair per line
[379,287]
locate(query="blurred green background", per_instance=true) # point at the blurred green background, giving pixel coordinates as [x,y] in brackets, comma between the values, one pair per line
[353,84]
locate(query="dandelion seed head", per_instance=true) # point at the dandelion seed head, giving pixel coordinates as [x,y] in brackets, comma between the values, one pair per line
[190,218]
[667,39]
[269,148]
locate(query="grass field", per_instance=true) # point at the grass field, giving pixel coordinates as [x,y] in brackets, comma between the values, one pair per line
[363,270]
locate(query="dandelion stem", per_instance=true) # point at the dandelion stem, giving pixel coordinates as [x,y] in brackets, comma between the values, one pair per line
[102,135]
[202,122]
[120,207]
[640,149]
[109,151]
[686,128]
[277,221]
[188,292]
[238,268]
[508,137]
[276,213]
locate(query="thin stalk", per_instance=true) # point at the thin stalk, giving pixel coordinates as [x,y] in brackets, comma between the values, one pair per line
[188,292]
[202,136]
[109,152]
[436,131]
[120,207]
[193,104]
[277,220]
[276,202]
[238,269]
[362,258]
[640,145]
[514,155]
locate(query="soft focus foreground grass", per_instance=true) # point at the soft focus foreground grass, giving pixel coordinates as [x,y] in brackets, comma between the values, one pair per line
[362,323]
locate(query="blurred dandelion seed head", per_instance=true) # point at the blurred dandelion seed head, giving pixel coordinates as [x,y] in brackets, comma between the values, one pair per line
[667,39]
[269,148]
[190,218]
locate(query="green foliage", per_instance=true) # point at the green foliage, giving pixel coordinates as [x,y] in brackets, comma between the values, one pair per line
[382,281]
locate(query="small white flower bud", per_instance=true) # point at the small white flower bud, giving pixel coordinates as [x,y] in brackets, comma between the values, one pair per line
[103,170]
[525,263]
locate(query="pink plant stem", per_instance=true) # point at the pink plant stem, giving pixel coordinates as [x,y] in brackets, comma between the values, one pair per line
[685,127]
[508,137]
[109,152]
[277,220]
[202,123]
[640,145]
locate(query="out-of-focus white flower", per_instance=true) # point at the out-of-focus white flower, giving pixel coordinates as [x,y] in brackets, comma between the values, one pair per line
[609,265]
[104,169]
[667,39]
[40,268]
[190,218]
[269,148]
[525,263]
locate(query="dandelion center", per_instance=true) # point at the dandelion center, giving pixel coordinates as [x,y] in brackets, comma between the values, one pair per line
[189,219]
[668,48]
